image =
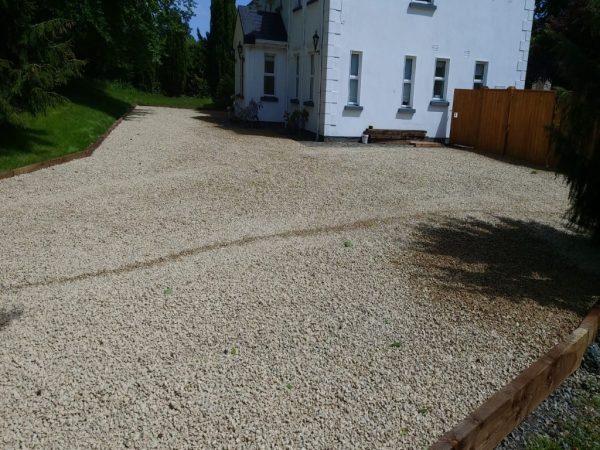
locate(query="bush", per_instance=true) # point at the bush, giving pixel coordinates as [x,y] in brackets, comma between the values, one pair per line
[225,91]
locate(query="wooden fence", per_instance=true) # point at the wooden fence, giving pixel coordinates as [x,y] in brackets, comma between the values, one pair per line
[511,123]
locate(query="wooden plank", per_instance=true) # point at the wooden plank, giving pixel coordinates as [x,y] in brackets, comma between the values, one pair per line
[494,121]
[485,428]
[532,113]
[466,117]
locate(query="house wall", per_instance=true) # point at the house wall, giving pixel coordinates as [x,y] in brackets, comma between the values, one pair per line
[301,26]
[254,80]
[254,72]
[465,31]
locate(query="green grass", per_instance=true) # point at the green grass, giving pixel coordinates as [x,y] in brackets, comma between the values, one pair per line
[581,433]
[73,126]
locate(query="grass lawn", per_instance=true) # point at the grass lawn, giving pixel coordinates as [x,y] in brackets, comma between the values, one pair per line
[580,433]
[73,126]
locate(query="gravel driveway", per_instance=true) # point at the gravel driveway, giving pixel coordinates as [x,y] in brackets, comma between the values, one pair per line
[190,286]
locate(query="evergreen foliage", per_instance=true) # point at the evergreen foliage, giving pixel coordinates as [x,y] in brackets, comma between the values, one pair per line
[43,44]
[35,58]
[220,53]
[568,36]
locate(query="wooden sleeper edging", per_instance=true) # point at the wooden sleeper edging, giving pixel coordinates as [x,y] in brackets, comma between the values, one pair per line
[65,158]
[496,418]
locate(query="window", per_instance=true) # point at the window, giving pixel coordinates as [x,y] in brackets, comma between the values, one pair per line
[407,86]
[353,92]
[423,4]
[297,76]
[440,78]
[312,77]
[480,78]
[269,79]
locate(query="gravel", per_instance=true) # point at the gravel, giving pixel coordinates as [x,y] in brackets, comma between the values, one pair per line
[193,286]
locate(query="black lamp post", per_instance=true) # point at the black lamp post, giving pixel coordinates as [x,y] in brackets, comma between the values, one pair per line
[316,41]
[240,49]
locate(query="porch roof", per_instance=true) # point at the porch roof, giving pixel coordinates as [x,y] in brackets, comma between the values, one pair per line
[261,25]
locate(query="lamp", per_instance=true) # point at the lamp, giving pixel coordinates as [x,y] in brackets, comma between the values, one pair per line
[316,41]
[240,49]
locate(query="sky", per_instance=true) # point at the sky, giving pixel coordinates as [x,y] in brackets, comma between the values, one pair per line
[202,18]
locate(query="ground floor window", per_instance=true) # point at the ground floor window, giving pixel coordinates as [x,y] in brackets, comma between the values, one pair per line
[354,87]
[297,57]
[269,76]
[312,77]
[440,79]
[479,80]
[409,76]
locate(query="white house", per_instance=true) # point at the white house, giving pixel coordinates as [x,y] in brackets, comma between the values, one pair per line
[391,64]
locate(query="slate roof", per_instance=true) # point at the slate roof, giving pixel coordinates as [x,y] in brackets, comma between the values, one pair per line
[261,25]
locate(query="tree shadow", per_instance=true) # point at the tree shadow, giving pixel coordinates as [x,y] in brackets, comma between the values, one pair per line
[511,259]
[138,114]
[91,94]
[14,141]
[8,315]
[221,120]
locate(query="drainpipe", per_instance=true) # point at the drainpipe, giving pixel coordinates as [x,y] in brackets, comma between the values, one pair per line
[320,74]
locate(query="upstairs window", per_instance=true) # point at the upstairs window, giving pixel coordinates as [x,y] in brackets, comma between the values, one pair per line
[407,86]
[269,77]
[440,79]
[354,87]
[480,78]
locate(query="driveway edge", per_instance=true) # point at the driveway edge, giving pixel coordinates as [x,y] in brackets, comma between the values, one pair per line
[496,418]
[66,158]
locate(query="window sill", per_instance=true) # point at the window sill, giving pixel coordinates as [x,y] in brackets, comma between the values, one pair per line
[297,8]
[406,110]
[295,101]
[439,103]
[426,6]
[269,99]
[353,108]
[309,103]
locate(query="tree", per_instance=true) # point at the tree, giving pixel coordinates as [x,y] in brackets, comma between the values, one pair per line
[35,59]
[176,55]
[197,84]
[130,40]
[570,38]
[220,53]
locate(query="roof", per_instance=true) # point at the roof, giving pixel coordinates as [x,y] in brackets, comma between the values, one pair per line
[262,25]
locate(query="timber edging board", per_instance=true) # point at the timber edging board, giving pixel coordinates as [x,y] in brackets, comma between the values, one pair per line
[65,158]
[495,419]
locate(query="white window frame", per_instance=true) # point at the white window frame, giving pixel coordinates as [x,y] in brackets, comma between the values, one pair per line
[270,75]
[312,66]
[478,84]
[443,79]
[355,78]
[408,81]
[297,86]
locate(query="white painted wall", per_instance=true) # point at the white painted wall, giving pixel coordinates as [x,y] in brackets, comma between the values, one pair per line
[254,76]
[301,26]
[385,31]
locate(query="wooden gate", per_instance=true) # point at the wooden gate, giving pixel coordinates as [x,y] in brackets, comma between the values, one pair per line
[509,122]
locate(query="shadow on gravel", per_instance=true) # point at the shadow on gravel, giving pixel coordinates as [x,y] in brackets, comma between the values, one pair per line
[510,259]
[264,129]
[7,316]
[137,114]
